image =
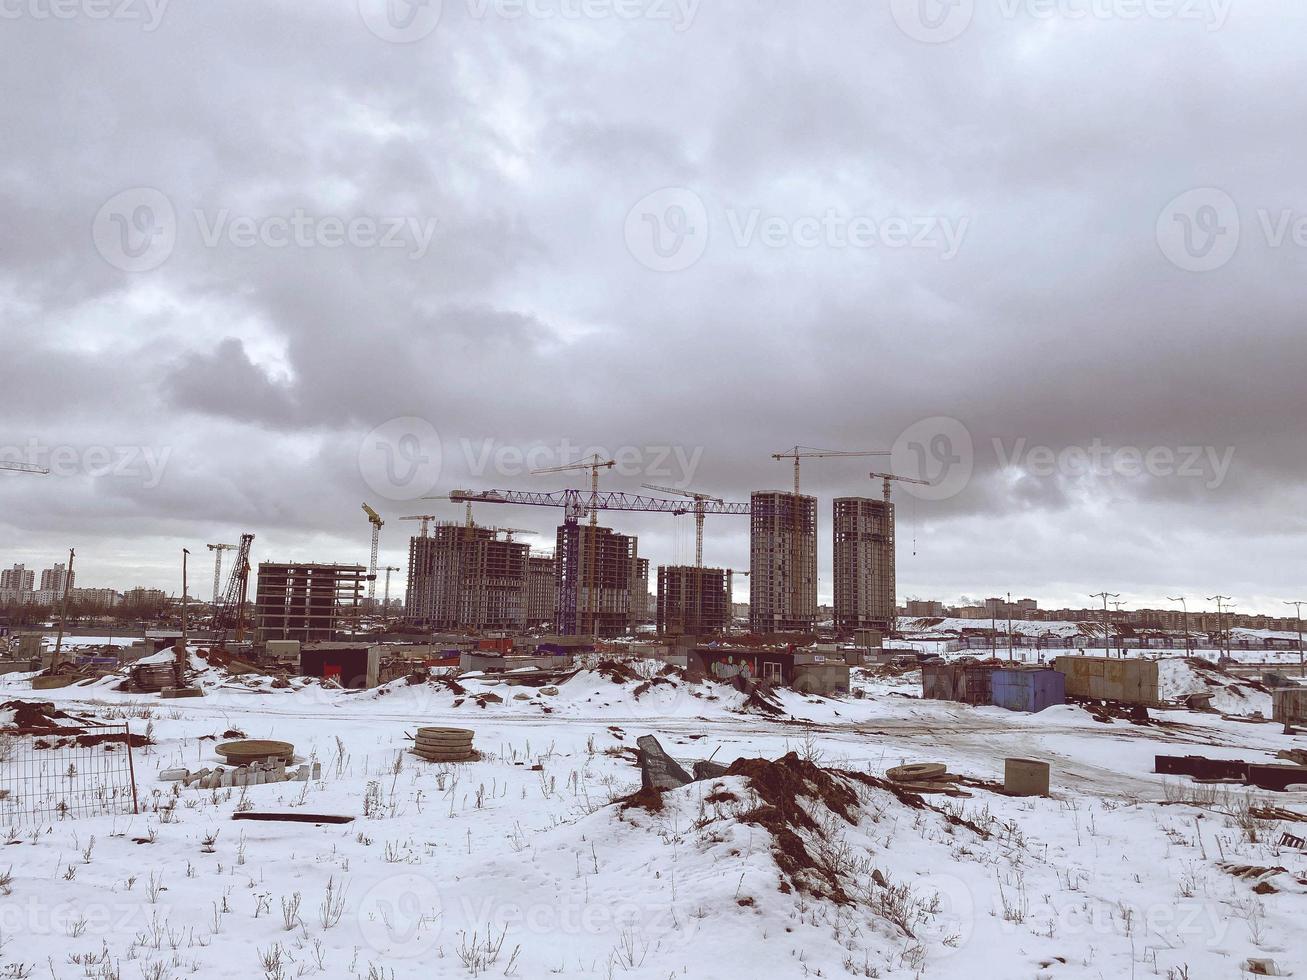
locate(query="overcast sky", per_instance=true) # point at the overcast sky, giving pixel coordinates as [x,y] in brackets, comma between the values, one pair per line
[264,261]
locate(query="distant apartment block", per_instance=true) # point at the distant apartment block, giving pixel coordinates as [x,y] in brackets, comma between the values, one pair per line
[540,590]
[924,608]
[19,578]
[782,563]
[52,579]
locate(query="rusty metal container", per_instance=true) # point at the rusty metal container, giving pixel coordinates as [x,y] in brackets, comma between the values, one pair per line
[1129,680]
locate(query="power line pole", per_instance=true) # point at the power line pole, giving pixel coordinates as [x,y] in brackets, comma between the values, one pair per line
[1009,626]
[1302,662]
[1120,640]
[1221,637]
[1188,646]
[63,611]
[1107,652]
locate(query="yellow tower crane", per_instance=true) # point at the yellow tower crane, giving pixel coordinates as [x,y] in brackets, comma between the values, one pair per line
[375,520]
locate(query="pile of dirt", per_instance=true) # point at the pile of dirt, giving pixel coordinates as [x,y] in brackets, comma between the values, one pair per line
[40,718]
[781,786]
[616,671]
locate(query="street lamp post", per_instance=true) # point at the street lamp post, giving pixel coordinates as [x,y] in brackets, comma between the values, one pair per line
[1220,629]
[1105,596]
[1302,662]
[1188,646]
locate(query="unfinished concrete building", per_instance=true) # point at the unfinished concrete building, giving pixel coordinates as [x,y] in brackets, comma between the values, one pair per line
[782,563]
[306,602]
[540,588]
[641,607]
[692,601]
[598,574]
[863,558]
[467,577]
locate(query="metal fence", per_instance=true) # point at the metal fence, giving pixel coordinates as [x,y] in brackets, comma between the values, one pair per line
[45,776]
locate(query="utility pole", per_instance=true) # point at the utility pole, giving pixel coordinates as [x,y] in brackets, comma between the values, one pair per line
[185,554]
[1009,626]
[1302,662]
[1107,651]
[1220,630]
[1188,645]
[63,609]
[1120,640]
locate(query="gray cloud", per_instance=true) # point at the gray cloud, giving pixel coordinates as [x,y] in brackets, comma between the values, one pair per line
[258,370]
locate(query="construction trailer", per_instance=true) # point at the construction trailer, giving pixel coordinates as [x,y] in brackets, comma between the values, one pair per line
[1028,689]
[782,563]
[598,575]
[863,559]
[464,576]
[1129,680]
[692,600]
[962,680]
[306,602]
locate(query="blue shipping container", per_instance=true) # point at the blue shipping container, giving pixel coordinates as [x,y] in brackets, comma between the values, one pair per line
[1029,690]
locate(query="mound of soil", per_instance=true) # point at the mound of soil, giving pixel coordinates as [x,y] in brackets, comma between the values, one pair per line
[616,671]
[40,718]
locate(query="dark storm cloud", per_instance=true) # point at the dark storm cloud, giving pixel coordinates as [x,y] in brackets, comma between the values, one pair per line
[514,314]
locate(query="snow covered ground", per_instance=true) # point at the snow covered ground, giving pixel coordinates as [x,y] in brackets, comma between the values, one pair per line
[526,864]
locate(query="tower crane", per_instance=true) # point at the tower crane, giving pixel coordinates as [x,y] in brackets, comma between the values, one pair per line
[24,468]
[699,500]
[426,519]
[576,504]
[375,520]
[594,464]
[217,550]
[887,477]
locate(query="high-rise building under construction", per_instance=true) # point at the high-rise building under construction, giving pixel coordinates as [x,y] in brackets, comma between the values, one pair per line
[782,562]
[599,576]
[467,577]
[691,600]
[863,559]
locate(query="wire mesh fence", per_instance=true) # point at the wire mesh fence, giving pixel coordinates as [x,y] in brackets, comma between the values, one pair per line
[46,777]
